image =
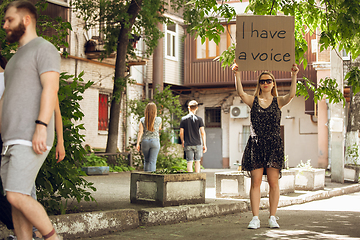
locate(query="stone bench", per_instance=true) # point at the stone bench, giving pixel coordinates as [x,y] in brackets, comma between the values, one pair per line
[309,180]
[287,182]
[237,185]
[351,172]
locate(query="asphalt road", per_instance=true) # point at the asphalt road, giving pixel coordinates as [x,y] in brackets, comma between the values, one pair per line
[334,218]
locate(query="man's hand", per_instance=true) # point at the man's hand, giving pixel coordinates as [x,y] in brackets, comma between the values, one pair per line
[60,152]
[39,139]
[204,149]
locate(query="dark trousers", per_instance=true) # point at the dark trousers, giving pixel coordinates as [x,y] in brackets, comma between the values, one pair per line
[5,207]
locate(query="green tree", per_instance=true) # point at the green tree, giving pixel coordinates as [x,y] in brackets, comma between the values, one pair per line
[122,20]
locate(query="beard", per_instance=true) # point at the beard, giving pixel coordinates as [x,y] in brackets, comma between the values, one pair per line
[16,33]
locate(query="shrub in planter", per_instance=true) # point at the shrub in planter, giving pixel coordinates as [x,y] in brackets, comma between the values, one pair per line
[309,178]
[352,166]
[95,165]
[121,164]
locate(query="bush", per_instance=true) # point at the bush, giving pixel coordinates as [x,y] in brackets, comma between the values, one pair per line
[94,161]
[62,181]
[121,165]
[170,164]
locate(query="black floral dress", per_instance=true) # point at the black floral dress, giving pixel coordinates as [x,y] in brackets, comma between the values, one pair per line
[264,148]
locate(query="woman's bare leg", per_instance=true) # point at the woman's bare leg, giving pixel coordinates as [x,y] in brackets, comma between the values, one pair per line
[274,193]
[256,178]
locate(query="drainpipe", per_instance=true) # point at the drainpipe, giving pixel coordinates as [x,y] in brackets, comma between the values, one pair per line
[329,133]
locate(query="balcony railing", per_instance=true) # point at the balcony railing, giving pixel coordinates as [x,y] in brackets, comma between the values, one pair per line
[209,73]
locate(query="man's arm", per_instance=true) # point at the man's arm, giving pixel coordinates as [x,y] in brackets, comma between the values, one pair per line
[60,149]
[182,136]
[50,84]
[203,137]
[1,105]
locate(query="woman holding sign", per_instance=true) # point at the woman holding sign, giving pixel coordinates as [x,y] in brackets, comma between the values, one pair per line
[264,153]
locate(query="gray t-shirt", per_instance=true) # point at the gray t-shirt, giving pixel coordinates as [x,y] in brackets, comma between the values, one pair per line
[148,134]
[23,90]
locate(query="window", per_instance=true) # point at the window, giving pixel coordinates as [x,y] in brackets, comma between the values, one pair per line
[103,122]
[171,41]
[210,50]
[345,55]
[213,117]
[207,50]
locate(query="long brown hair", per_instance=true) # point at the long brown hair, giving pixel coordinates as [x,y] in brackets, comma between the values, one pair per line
[3,62]
[274,90]
[150,114]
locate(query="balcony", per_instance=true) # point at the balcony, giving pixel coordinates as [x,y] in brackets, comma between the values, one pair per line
[209,73]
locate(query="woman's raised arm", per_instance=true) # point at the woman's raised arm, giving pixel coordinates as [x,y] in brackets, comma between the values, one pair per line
[283,100]
[246,98]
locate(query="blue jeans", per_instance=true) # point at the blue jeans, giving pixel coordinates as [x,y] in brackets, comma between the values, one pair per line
[150,148]
[193,153]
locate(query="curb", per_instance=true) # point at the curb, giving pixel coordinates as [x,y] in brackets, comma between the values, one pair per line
[94,223]
[99,223]
[167,215]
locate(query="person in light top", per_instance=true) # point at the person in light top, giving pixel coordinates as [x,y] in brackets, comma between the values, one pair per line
[149,136]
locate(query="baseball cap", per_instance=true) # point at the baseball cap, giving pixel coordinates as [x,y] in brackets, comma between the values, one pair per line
[193,103]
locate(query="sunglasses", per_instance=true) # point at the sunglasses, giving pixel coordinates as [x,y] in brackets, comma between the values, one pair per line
[263,81]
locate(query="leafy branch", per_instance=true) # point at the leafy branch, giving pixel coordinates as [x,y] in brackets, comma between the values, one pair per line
[327,87]
[353,79]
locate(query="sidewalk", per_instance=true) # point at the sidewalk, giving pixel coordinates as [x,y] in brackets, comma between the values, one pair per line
[114,212]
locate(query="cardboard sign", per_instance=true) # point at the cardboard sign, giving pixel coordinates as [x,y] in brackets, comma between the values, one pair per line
[265,42]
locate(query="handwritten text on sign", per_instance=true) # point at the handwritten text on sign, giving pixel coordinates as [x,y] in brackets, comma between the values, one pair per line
[265,43]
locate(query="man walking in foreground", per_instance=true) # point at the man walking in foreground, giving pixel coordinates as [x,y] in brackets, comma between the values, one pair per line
[191,126]
[27,117]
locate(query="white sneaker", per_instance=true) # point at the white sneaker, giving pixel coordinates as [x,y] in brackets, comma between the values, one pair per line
[273,223]
[254,223]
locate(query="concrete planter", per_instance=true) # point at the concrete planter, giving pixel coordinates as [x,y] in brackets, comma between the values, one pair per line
[351,172]
[309,180]
[236,185]
[168,189]
[96,170]
[287,182]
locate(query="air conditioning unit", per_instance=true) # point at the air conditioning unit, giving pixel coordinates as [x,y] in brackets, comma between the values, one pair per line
[239,111]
